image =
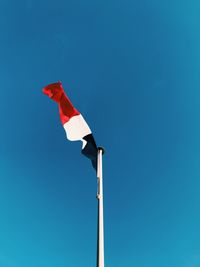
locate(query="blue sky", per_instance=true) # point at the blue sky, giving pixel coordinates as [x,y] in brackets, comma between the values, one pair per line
[132,69]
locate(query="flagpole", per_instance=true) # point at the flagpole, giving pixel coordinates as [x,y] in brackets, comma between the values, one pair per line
[100,227]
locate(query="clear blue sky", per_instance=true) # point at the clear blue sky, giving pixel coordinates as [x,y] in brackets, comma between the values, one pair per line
[132,69]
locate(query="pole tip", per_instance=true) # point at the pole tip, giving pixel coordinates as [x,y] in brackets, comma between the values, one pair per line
[102,149]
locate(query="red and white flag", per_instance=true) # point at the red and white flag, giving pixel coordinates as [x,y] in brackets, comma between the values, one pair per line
[73,122]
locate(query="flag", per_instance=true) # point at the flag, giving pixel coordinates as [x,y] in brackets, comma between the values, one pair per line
[73,122]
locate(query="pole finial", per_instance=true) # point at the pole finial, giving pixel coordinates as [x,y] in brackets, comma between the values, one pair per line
[102,149]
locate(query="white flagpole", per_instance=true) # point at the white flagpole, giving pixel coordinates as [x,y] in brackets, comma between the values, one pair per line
[100,230]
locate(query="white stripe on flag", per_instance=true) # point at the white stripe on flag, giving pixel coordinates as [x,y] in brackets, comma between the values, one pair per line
[76,128]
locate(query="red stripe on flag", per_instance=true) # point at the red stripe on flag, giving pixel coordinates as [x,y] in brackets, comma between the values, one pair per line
[56,92]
